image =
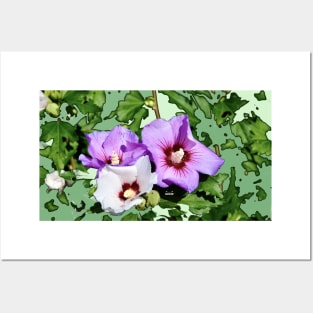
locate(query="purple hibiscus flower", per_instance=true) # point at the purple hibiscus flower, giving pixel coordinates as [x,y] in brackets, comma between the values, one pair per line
[178,157]
[120,146]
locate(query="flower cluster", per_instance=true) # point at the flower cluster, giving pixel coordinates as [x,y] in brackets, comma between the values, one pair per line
[123,163]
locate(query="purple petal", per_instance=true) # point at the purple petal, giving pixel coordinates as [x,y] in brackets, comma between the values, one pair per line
[185,178]
[204,160]
[132,152]
[158,135]
[90,162]
[95,141]
[182,132]
[117,138]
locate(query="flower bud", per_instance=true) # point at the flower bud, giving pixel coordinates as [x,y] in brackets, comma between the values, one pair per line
[53,109]
[54,181]
[43,101]
[141,206]
[153,198]
[54,95]
[150,102]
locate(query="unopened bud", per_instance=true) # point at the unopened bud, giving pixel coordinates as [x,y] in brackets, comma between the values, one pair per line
[150,102]
[53,109]
[141,206]
[153,198]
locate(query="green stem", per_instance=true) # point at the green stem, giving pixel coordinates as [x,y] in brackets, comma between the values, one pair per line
[156,106]
[217,150]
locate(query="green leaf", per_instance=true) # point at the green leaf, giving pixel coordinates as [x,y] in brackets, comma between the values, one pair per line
[87,101]
[167,204]
[79,218]
[92,191]
[229,144]
[142,113]
[50,206]
[206,93]
[237,215]
[45,152]
[175,212]
[260,96]
[68,175]
[130,217]
[96,208]
[87,123]
[183,103]
[128,108]
[196,204]
[230,208]
[257,216]
[252,132]
[64,144]
[261,194]
[106,218]
[207,141]
[194,218]
[251,129]
[62,197]
[43,174]
[204,105]
[78,208]
[148,216]
[224,110]
[212,185]
[250,166]
[261,147]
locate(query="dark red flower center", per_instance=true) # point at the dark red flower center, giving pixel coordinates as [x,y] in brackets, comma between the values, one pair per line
[129,191]
[176,156]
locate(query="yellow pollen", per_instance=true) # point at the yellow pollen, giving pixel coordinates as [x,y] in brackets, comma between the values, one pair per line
[115,159]
[129,193]
[177,156]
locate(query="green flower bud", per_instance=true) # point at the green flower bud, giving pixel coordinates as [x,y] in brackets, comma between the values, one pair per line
[153,198]
[150,102]
[54,95]
[141,206]
[53,109]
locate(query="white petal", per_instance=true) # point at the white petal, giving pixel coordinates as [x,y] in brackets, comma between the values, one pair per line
[145,178]
[43,100]
[127,174]
[108,188]
[131,202]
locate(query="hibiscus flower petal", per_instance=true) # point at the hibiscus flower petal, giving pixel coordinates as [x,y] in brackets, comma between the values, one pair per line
[145,178]
[90,162]
[204,160]
[95,141]
[182,132]
[131,202]
[185,178]
[107,193]
[117,138]
[132,152]
[127,174]
[158,135]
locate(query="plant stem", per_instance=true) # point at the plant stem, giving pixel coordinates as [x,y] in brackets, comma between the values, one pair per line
[72,163]
[156,106]
[217,150]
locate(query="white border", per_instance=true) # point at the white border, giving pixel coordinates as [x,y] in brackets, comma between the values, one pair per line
[287,74]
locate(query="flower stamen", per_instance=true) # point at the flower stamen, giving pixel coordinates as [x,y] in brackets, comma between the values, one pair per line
[115,160]
[129,193]
[177,156]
